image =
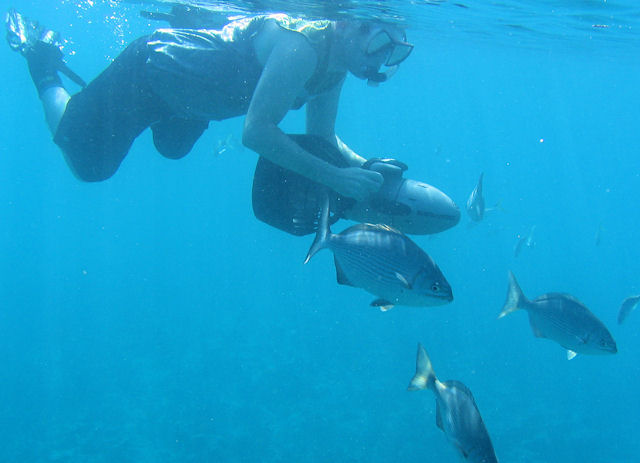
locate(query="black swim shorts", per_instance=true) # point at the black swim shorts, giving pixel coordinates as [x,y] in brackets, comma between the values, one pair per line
[101,122]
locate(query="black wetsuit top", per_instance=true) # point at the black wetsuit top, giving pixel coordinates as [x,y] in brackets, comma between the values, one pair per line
[175,81]
[211,74]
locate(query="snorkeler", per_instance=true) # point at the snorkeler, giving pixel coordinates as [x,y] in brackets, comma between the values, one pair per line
[176,81]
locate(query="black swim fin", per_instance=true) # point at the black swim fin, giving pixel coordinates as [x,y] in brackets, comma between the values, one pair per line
[42,49]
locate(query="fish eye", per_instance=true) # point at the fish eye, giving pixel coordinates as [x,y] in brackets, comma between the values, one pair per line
[435,287]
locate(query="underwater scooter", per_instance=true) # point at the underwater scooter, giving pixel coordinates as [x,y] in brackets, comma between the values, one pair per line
[292,203]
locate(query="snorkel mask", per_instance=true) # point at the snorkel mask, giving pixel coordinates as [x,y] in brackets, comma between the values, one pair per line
[390,43]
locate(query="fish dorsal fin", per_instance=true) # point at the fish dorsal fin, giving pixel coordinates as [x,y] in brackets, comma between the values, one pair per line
[565,296]
[403,280]
[383,304]
[379,227]
[571,354]
[340,275]
[438,416]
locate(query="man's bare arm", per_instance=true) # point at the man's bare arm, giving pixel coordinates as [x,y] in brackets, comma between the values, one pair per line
[321,118]
[285,73]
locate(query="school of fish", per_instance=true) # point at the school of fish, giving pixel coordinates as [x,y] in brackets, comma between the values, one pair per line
[386,263]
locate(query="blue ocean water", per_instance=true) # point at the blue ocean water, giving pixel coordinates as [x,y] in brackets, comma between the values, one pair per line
[152,318]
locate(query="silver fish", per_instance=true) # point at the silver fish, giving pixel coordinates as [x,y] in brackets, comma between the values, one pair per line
[384,262]
[563,319]
[524,241]
[598,236]
[627,306]
[457,414]
[227,144]
[475,203]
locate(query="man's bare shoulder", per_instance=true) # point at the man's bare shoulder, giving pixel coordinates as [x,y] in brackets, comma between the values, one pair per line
[272,36]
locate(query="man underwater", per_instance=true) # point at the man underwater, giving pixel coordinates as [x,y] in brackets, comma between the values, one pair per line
[177,80]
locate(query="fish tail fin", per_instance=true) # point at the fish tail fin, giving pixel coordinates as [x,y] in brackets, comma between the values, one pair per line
[425,377]
[323,233]
[515,297]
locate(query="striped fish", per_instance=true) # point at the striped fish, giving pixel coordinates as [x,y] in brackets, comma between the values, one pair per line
[563,319]
[457,414]
[384,262]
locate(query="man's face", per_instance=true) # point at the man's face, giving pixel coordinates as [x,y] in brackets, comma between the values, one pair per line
[370,46]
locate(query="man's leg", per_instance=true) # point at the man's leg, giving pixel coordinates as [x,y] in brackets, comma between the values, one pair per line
[43,63]
[54,101]
[96,127]
[101,121]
